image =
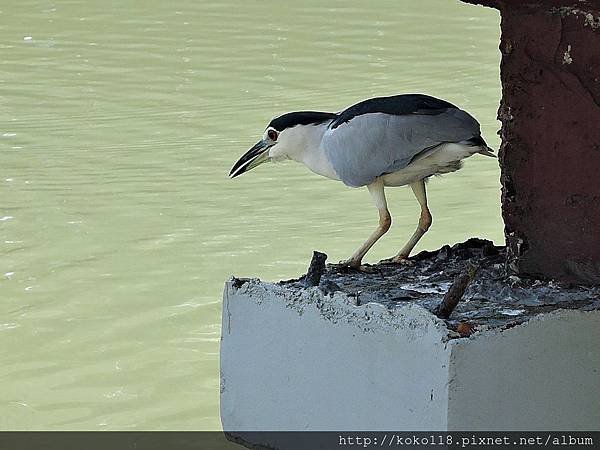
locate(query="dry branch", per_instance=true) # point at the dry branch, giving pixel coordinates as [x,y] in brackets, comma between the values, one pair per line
[315,270]
[455,293]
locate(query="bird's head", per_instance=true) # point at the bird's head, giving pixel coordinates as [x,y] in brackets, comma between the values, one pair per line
[285,137]
[258,154]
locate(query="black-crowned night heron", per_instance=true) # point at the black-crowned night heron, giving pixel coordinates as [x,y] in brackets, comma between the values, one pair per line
[385,141]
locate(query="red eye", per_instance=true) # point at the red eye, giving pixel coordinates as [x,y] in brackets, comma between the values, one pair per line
[272,135]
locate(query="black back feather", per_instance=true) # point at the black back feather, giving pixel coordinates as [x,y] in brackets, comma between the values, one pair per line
[396,105]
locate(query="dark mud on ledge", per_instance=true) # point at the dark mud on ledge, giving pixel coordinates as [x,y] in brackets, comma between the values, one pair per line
[493,299]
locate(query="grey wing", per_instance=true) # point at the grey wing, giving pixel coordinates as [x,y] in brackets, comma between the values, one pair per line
[374,144]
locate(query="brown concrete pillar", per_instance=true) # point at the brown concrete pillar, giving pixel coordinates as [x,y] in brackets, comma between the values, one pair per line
[550,153]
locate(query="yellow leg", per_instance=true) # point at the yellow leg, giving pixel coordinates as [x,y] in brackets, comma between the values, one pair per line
[418,188]
[376,189]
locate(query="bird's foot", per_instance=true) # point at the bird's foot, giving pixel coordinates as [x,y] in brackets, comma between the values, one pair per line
[354,265]
[398,259]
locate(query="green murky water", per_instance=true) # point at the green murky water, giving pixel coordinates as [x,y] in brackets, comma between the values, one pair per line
[119,121]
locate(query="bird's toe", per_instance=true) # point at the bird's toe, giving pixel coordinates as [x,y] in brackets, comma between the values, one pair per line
[398,259]
[350,264]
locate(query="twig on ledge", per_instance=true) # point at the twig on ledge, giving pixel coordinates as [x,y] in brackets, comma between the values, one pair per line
[315,270]
[455,293]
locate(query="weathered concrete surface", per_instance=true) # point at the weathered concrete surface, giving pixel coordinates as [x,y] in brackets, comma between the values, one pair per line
[311,361]
[550,154]
[542,375]
[308,361]
[363,351]
[494,299]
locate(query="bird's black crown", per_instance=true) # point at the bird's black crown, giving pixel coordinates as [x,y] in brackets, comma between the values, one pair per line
[292,119]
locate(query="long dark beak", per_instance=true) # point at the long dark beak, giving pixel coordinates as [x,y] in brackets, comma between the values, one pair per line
[251,159]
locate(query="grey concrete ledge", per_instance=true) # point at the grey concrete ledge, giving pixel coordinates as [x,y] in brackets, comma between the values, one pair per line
[296,359]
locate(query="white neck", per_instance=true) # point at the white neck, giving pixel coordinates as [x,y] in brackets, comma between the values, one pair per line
[302,144]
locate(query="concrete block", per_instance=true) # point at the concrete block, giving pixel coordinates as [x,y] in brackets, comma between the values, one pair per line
[300,359]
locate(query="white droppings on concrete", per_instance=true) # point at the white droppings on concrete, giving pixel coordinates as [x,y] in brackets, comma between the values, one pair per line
[433,289]
[512,312]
